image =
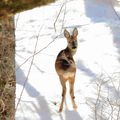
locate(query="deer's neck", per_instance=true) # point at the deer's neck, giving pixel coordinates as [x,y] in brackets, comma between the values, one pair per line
[72,51]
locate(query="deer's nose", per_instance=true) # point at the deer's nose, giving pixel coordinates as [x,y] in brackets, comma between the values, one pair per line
[74,46]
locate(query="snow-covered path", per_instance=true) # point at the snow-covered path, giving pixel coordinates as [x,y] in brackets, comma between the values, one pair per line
[97,59]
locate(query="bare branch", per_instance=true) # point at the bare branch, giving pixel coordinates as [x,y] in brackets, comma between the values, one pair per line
[28,70]
[112,6]
[63,18]
[59,15]
[118,114]
[38,52]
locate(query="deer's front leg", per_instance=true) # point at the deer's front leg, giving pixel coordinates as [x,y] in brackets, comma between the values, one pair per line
[63,83]
[71,82]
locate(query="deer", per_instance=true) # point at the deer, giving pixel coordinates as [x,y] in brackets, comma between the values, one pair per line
[66,68]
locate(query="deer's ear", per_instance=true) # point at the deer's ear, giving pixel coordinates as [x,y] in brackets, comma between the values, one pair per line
[75,32]
[66,33]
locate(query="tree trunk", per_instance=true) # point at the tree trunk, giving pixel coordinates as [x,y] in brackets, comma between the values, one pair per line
[7,69]
[7,52]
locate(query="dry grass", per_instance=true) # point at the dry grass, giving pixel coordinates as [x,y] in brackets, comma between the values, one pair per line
[7,73]
[106,104]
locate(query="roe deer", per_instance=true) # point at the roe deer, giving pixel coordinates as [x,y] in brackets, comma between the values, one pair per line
[65,66]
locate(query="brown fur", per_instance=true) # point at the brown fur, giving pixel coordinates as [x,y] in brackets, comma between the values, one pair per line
[65,66]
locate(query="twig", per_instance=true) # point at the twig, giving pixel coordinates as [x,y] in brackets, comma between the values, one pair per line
[63,18]
[114,9]
[97,100]
[38,52]
[28,70]
[101,112]
[111,114]
[118,114]
[58,15]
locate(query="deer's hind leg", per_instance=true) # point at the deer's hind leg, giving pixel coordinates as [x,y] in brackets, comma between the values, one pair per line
[71,83]
[63,83]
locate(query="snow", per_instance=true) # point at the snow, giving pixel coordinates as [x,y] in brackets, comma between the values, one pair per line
[97,60]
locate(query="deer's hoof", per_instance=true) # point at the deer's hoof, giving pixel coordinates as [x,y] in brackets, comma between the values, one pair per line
[60,110]
[75,107]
